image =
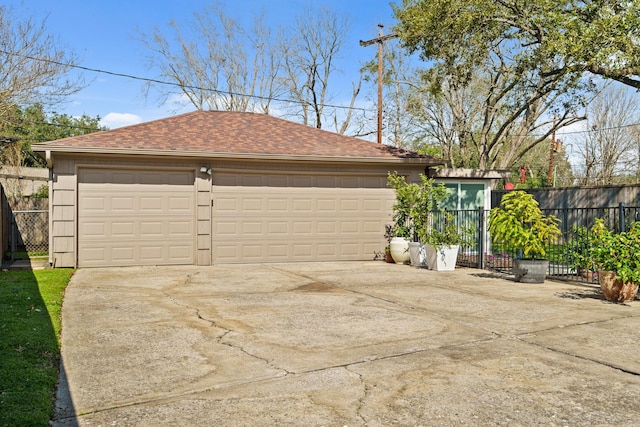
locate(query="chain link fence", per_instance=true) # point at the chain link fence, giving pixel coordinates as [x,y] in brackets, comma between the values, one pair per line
[27,228]
[29,234]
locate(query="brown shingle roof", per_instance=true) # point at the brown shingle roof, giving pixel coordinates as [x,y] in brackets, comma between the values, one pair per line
[223,132]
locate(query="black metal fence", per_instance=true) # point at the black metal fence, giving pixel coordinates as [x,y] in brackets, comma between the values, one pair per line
[478,251]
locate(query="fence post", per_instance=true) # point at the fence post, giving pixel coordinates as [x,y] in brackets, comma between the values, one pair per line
[481,233]
[621,218]
[14,243]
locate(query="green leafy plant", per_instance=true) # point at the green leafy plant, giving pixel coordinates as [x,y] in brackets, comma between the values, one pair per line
[42,193]
[403,208]
[617,252]
[444,230]
[579,251]
[419,212]
[519,223]
[389,233]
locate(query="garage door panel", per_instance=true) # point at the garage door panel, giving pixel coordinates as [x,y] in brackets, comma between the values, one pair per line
[180,204]
[350,227]
[120,230]
[250,204]
[121,204]
[278,251]
[228,228]
[370,226]
[121,254]
[180,228]
[327,250]
[299,224]
[302,250]
[135,217]
[302,205]
[327,227]
[93,229]
[276,228]
[150,204]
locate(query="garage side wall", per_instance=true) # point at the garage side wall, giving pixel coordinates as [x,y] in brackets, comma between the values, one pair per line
[62,208]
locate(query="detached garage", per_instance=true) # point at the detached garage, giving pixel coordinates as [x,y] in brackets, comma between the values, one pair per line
[219,187]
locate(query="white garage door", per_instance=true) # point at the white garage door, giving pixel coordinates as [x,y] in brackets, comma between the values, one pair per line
[284,218]
[128,217]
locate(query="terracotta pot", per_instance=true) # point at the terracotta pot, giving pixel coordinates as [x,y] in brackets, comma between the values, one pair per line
[388,256]
[614,289]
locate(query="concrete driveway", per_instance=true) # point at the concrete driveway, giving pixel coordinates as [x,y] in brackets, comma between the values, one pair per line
[343,344]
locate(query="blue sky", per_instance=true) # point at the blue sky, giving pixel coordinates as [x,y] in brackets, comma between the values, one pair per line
[102,33]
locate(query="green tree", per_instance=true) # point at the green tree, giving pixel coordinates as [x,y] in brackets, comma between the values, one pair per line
[485,97]
[597,36]
[32,125]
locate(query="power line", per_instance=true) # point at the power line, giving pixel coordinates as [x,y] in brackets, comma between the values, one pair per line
[166,83]
[598,129]
[266,98]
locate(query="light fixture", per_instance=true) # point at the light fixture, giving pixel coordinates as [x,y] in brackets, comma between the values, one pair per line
[206,170]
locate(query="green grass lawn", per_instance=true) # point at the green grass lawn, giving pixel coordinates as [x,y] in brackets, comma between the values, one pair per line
[30,303]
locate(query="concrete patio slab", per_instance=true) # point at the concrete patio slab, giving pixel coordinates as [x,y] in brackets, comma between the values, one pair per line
[352,343]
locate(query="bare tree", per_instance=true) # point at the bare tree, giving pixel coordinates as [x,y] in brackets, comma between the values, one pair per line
[33,69]
[399,127]
[496,112]
[33,66]
[216,63]
[310,54]
[447,113]
[611,144]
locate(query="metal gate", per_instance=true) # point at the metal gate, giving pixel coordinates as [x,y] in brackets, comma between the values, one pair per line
[29,234]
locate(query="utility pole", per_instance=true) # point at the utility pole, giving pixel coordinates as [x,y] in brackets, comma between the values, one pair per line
[380,39]
[553,149]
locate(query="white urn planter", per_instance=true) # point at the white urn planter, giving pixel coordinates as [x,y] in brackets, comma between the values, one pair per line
[399,247]
[443,258]
[417,255]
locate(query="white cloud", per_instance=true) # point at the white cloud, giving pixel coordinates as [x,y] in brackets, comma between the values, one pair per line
[116,120]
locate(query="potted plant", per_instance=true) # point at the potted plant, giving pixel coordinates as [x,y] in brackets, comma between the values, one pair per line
[436,228]
[617,257]
[388,235]
[519,224]
[442,241]
[406,195]
[420,210]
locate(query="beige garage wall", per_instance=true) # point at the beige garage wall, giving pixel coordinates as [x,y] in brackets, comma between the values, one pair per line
[338,212]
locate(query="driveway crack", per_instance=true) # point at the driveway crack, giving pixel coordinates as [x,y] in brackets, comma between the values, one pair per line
[365,393]
[220,338]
